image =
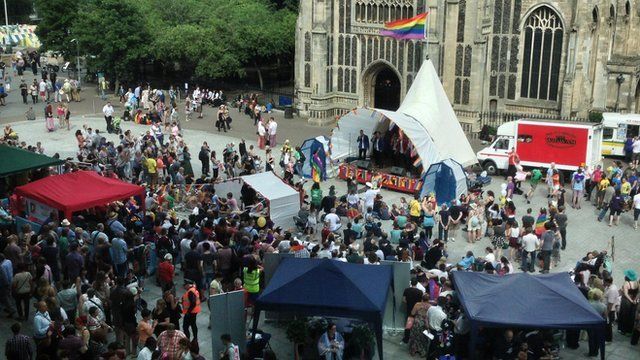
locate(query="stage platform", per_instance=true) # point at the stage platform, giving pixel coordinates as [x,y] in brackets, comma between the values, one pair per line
[406,184]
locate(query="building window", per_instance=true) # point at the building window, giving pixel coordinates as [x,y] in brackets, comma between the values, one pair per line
[462,10]
[465,91]
[340,80]
[347,78]
[328,84]
[307,46]
[459,60]
[456,91]
[410,58]
[353,81]
[354,51]
[467,61]
[307,75]
[627,8]
[543,36]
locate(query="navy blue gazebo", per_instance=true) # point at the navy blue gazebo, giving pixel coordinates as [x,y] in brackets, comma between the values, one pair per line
[312,287]
[549,301]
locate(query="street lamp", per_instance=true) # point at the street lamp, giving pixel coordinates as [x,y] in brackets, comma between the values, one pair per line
[6,17]
[619,80]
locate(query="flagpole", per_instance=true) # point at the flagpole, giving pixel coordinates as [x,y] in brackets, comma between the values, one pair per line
[426,34]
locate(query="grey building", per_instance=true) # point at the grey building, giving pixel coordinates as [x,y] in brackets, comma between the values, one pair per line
[559,58]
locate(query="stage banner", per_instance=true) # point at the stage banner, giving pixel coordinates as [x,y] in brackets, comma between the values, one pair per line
[37,211]
[227,317]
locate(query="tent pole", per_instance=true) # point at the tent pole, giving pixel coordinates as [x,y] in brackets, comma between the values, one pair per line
[472,340]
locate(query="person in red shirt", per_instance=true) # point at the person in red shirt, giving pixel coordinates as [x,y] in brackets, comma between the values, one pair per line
[513,160]
[166,271]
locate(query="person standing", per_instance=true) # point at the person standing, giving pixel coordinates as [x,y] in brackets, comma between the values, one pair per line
[203,156]
[546,245]
[636,210]
[273,129]
[22,288]
[549,179]
[24,91]
[231,350]
[119,254]
[411,296]
[636,150]
[612,298]
[561,220]
[6,279]
[378,148]
[262,135]
[108,111]
[513,160]
[190,308]
[33,91]
[18,347]
[363,145]
[577,185]
[331,344]
[530,244]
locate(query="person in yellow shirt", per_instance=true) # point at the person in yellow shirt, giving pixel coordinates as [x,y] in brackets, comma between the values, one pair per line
[414,209]
[602,185]
[625,188]
[152,170]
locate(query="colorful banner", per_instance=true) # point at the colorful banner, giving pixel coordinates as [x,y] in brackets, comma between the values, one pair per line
[389,181]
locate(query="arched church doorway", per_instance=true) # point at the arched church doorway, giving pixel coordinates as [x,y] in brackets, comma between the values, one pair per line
[386,94]
[381,86]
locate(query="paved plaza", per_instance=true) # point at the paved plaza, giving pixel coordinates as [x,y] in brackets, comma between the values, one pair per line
[584,232]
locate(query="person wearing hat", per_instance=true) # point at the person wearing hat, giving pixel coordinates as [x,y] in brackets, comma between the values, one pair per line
[166,272]
[190,308]
[628,302]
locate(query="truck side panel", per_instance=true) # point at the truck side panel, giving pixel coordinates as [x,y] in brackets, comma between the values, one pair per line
[546,143]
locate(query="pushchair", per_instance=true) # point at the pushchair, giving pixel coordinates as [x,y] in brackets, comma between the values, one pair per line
[115,125]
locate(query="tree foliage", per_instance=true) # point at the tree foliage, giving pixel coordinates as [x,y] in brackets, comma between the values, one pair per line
[56,18]
[108,31]
[201,38]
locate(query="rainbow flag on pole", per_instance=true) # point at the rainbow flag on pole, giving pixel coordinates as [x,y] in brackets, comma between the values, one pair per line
[317,168]
[413,28]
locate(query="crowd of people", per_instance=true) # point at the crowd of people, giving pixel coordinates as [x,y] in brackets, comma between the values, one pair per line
[86,275]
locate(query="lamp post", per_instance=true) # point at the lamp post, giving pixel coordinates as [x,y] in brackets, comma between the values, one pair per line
[619,80]
[6,17]
[77,56]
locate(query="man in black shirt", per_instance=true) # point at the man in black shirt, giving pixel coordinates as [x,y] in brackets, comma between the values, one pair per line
[411,296]
[528,220]
[193,263]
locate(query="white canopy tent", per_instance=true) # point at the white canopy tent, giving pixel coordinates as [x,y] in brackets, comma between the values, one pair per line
[283,200]
[425,116]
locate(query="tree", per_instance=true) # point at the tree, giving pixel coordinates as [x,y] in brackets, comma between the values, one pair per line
[109,32]
[56,18]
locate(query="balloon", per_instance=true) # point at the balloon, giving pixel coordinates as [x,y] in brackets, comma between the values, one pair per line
[262,221]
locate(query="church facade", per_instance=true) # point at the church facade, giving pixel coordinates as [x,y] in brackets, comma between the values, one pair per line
[560,58]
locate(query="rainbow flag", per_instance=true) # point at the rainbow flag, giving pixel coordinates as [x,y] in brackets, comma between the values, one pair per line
[413,28]
[539,226]
[317,168]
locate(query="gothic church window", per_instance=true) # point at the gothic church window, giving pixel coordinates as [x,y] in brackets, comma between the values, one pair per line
[307,46]
[543,36]
[307,75]
[353,81]
[340,80]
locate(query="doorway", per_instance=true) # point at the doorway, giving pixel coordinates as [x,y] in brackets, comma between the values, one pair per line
[386,92]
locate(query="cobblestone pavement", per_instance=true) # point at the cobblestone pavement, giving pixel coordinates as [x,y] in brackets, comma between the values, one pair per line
[584,232]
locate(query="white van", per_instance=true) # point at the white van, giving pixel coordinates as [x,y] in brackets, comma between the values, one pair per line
[616,128]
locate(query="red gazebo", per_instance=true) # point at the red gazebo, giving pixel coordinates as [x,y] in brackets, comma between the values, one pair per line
[78,191]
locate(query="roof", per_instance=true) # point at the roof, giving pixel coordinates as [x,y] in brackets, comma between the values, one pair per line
[521,295]
[78,191]
[269,185]
[427,102]
[14,160]
[346,290]
[613,119]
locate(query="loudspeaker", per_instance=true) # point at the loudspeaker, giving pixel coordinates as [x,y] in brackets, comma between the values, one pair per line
[363,164]
[398,171]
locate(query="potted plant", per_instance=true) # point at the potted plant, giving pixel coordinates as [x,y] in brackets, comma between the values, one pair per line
[363,339]
[297,334]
